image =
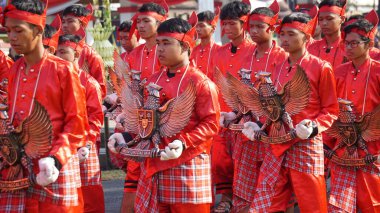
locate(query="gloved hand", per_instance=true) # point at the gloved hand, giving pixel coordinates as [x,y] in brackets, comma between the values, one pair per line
[304,129]
[115,138]
[226,116]
[83,153]
[48,172]
[111,98]
[172,151]
[249,130]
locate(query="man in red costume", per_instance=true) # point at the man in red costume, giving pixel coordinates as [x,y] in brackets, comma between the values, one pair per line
[203,53]
[40,76]
[127,40]
[74,18]
[331,17]
[229,58]
[358,188]
[297,166]
[185,163]
[93,196]
[265,57]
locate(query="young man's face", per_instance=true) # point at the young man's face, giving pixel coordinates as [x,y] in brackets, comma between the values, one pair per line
[259,32]
[232,28]
[355,47]
[147,26]
[330,23]
[169,51]
[70,24]
[292,40]
[66,53]
[127,43]
[204,30]
[23,36]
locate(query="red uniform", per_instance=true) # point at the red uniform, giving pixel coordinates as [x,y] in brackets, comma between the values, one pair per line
[190,173]
[202,56]
[248,162]
[58,89]
[5,65]
[300,169]
[92,189]
[145,61]
[95,66]
[353,188]
[222,151]
[374,53]
[335,55]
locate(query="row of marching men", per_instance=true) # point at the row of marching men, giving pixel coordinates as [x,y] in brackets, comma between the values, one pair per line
[57,70]
[253,175]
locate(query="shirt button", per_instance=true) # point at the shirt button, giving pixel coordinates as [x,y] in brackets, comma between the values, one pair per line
[22,112]
[147,57]
[230,65]
[24,79]
[352,72]
[200,66]
[354,79]
[167,80]
[31,70]
[358,71]
[232,55]
[201,56]
[22,96]
[146,68]
[22,68]
[353,91]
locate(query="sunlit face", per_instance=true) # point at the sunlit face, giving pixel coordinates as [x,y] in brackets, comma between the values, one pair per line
[232,28]
[147,26]
[330,23]
[66,53]
[127,43]
[355,47]
[204,30]
[70,24]
[292,40]
[259,31]
[23,36]
[169,51]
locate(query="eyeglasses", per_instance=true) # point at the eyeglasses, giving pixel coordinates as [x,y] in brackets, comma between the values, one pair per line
[352,44]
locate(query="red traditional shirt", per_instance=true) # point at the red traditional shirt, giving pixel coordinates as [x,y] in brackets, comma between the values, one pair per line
[335,55]
[202,56]
[144,60]
[5,65]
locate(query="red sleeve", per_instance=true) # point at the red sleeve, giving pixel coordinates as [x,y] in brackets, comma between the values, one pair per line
[94,108]
[96,68]
[5,65]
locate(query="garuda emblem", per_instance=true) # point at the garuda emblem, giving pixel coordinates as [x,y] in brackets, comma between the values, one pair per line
[277,108]
[18,147]
[150,121]
[231,97]
[353,134]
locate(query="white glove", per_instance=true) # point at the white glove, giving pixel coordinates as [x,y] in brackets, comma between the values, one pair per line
[172,151]
[111,98]
[120,118]
[304,129]
[116,137]
[83,153]
[104,109]
[226,116]
[48,172]
[249,130]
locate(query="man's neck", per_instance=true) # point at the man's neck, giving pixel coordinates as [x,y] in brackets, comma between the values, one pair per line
[150,42]
[360,60]
[174,68]
[263,46]
[206,41]
[34,56]
[238,40]
[332,38]
[296,55]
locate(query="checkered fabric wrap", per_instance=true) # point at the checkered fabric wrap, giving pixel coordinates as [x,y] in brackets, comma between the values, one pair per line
[306,156]
[90,168]
[64,190]
[270,170]
[246,172]
[146,195]
[189,182]
[12,202]
[239,204]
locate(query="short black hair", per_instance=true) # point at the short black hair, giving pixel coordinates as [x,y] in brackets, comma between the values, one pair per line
[297,16]
[339,3]
[234,10]
[31,6]
[49,31]
[361,24]
[125,26]
[263,11]
[77,9]
[72,38]
[174,25]
[152,7]
[355,17]
[206,16]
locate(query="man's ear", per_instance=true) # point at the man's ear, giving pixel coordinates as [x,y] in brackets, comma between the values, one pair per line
[76,54]
[343,19]
[37,30]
